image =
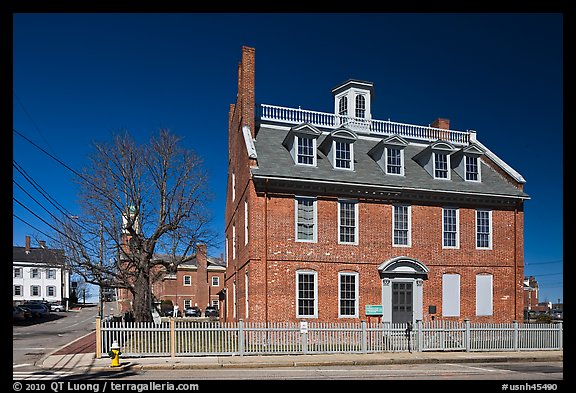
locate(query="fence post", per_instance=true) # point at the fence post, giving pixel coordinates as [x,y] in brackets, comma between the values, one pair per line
[172,338]
[560,335]
[98,338]
[467,335]
[241,337]
[516,334]
[364,338]
[419,335]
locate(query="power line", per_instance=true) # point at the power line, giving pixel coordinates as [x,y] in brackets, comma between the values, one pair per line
[543,263]
[33,227]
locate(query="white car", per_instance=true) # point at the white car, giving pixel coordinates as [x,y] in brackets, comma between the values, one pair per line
[56,307]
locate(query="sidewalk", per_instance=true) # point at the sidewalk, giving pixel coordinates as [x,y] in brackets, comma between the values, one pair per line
[79,355]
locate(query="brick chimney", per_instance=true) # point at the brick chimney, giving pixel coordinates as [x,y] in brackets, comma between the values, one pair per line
[27,245]
[202,296]
[441,123]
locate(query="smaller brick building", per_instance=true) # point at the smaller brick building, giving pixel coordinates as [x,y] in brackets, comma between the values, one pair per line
[196,282]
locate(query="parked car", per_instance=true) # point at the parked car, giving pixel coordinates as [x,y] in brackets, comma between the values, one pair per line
[193,312]
[557,314]
[38,309]
[57,307]
[211,311]
[27,312]
[18,314]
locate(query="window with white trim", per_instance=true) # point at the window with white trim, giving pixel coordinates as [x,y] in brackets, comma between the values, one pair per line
[450,295]
[34,273]
[187,281]
[305,150]
[360,106]
[245,221]
[306,294]
[233,186]
[343,106]
[484,295]
[394,161]
[233,241]
[234,299]
[471,168]
[484,229]
[51,291]
[215,281]
[187,303]
[34,290]
[17,272]
[441,165]
[450,224]
[305,219]
[17,290]
[343,155]
[348,294]
[401,225]
[51,274]
[246,294]
[347,222]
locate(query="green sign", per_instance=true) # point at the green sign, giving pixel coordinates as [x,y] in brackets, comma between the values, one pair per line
[373,309]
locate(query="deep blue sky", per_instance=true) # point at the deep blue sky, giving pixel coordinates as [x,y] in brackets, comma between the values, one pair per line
[79,77]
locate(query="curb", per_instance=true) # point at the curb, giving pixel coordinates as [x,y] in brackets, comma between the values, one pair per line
[40,363]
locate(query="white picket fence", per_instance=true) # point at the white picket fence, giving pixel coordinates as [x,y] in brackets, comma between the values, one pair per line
[186,338]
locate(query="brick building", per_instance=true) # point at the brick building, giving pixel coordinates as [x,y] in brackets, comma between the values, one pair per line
[328,213]
[195,282]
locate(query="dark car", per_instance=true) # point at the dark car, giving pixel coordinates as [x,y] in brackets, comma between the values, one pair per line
[211,311]
[18,314]
[27,312]
[38,309]
[193,312]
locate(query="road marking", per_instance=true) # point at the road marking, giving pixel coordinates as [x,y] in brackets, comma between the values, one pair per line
[21,365]
[40,375]
[476,368]
[32,348]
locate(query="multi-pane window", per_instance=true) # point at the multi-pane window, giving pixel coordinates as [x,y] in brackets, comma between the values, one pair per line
[18,290]
[348,217]
[305,219]
[51,274]
[187,303]
[34,273]
[360,106]
[343,155]
[35,290]
[187,280]
[215,281]
[246,303]
[483,229]
[233,241]
[51,291]
[233,186]
[245,221]
[343,106]
[450,228]
[305,154]
[17,272]
[306,299]
[441,166]
[471,168]
[393,161]
[401,225]
[348,295]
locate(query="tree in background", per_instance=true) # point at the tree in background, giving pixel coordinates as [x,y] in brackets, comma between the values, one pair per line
[143,207]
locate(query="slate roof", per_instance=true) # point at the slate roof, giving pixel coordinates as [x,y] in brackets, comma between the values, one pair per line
[48,256]
[274,160]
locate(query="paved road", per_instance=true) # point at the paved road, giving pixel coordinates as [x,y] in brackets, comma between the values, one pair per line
[33,341]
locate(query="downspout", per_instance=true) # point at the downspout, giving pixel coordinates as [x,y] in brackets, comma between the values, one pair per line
[265,253]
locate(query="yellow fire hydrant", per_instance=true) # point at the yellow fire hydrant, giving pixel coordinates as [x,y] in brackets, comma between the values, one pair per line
[114,354]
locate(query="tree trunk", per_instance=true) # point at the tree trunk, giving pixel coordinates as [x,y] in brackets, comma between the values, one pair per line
[142,303]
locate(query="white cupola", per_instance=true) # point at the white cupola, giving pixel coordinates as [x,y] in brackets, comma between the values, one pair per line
[352,101]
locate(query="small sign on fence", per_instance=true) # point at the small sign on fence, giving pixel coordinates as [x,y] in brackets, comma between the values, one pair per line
[304,327]
[373,310]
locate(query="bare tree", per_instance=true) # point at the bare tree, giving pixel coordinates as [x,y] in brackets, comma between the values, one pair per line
[143,207]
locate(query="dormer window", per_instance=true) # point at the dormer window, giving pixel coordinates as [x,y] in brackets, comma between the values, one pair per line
[466,163]
[389,155]
[301,142]
[343,158]
[471,168]
[339,148]
[440,165]
[360,106]
[436,159]
[306,150]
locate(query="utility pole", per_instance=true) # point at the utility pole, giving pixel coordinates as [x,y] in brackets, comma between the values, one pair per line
[101,256]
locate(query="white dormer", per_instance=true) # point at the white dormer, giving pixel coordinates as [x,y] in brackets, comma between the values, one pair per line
[389,155]
[301,142]
[352,102]
[436,159]
[466,163]
[339,148]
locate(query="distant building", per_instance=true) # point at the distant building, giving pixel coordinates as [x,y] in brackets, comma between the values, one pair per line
[336,216]
[530,293]
[39,273]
